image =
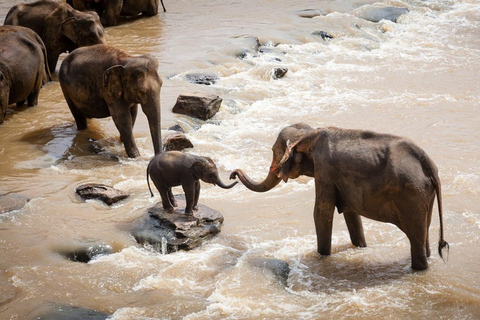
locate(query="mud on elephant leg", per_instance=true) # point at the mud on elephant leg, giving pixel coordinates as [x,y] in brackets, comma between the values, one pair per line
[355,228]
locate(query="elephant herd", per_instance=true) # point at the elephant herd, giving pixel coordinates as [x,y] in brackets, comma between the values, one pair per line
[360,173]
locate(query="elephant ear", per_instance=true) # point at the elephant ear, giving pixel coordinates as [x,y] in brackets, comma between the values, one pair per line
[69,29]
[289,148]
[201,167]
[113,80]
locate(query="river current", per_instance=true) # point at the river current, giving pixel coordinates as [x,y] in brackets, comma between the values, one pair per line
[417,77]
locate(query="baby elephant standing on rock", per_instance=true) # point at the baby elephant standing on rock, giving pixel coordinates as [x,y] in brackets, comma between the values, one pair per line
[175,168]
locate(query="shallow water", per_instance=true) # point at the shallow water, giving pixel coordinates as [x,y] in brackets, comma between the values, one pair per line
[417,78]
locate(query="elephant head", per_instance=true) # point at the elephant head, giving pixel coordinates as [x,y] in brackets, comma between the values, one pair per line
[291,158]
[137,82]
[206,170]
[83,29]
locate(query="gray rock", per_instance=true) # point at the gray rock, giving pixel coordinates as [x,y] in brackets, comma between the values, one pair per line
[197,105]
[202,78]
[172,231]
[87,252]
[63,312]
[96,191]
[279,269]
[310,13]
[377,14]
[325,36]
[176,141]
[250,45]
[12,202]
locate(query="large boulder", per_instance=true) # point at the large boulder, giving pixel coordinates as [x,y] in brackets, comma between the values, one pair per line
[102,192]
[168,232]
[12,202]
[198,105]
[176,141]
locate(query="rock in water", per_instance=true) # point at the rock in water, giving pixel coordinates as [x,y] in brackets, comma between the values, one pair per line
[101,192]
[279,269]
[176,141]
[172,231]
[202,78]
[12,202]
[377,14]
[197,105]
[63,312]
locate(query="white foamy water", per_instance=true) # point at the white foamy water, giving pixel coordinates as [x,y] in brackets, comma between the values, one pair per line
[418,77]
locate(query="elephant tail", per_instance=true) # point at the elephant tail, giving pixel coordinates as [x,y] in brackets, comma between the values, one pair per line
[438,189]
[148,181]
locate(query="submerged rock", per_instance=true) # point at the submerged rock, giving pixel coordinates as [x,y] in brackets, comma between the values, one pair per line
[377,14]
[310,13]
[12,202]
[279,269]
[198,105]
[250,46]
[172,231]
[62,312]
[87,252]
[177,141]
[325,36]
[96,191]
[202,78]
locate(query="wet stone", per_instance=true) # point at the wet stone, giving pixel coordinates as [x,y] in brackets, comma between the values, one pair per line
[251,46]
[278,73]
[325,36]
[310,13]
[176,141]
[198,105]
[202,78]
[279,269]
[168,232]
[12,202]
[87,253]
[377,14]
[107,194]
[63,312]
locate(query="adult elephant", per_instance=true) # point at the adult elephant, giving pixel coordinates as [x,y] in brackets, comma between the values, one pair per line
[113,9]
[62,28]
[23,67]
[101,81]
[361,173]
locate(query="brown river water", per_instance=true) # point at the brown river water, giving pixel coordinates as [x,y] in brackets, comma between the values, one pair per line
[417,78]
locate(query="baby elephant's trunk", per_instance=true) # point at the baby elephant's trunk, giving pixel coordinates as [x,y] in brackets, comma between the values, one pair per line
[223,185]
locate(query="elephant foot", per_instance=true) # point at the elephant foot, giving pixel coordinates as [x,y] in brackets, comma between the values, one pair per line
[168,209]
[189,213]
[419,263]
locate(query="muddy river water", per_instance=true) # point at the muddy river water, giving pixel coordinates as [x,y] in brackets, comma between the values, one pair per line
[418,77]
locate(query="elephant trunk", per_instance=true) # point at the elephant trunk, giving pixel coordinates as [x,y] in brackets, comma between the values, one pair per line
[270,181]
[152,111]
[223,185]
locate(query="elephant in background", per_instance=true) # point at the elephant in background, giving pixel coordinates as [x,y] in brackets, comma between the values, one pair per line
[113,9]
[62,28]
[175,168]
[101,81]
[361,173]
[23,67]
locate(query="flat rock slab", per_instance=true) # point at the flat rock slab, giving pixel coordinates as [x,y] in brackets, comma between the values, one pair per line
[172,231]
[377,14]
[12,202]
[198,105]
[102,192]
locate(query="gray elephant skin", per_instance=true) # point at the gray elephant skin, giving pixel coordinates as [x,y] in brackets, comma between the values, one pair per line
[361,173]
[23,67]
[113,9]
[101,81]
[62,28]
[175,168]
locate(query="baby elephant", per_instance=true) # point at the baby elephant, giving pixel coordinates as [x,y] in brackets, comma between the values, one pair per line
[174,168]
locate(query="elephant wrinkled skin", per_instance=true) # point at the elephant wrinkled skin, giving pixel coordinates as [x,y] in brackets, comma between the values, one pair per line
[175,168]
[62,28]
[23,67]
[113,9]
[101,81]
[361,173]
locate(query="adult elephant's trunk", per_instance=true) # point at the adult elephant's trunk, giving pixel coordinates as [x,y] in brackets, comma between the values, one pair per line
[270,181]
[152,111]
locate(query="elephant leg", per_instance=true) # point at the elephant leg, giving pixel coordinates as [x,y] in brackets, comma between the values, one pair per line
[189,189]
[323,217]
[133,113]
[112,12]
[152,8]
[164,194]
[173,201]
[80,119]
[123,121]
[415,228]
[32,98]
[197,194]
[355,228]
